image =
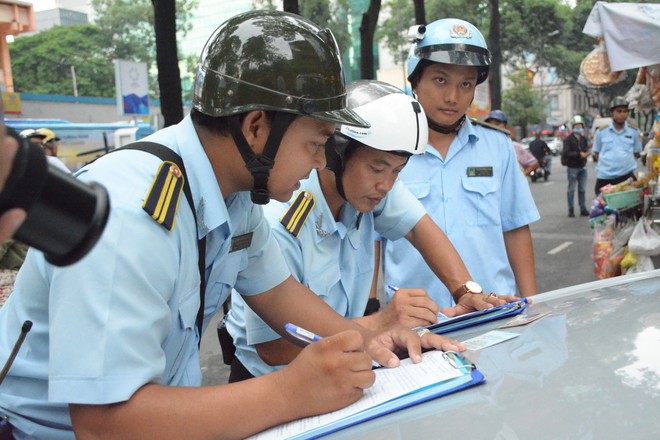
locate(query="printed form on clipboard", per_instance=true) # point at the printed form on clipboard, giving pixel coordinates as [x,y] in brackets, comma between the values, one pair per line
[438,374]
[446,325]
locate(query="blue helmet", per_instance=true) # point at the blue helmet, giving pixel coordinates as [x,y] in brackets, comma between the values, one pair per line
[498,115]
[449,41]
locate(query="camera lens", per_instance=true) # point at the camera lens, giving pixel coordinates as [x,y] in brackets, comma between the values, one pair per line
[65,216]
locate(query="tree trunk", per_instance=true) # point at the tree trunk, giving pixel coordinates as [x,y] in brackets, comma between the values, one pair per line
[420,12]
[291,6]
[495,79]
[167,61]
[367,31]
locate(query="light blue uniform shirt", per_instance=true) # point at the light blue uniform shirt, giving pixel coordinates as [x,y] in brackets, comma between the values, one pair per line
[125,315]
[335,259]
[616,151]
[473,211]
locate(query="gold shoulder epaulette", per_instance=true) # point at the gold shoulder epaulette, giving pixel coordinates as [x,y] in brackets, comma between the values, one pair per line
[633,126]
[295,217]
[603,127]
[162,200]
[491,126]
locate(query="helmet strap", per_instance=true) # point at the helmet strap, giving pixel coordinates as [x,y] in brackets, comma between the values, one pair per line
[335,150]
[446,130]
[259,165]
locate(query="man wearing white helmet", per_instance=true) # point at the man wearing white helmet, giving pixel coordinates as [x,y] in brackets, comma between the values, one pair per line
[114,346]
[574,156]
[468,179]
[48,142]
[327,230]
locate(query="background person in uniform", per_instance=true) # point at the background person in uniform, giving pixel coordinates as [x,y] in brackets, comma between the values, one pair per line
[616,148]
[113,349]
[330,247]
[468,179]
[527,161]
[539,148]
[574,156]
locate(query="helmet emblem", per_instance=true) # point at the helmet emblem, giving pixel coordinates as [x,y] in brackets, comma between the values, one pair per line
[460,31]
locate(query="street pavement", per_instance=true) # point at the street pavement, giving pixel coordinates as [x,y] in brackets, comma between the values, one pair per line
[562,250]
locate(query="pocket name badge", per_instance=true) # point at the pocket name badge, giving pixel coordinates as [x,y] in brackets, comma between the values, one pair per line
[480,172]
[241,242]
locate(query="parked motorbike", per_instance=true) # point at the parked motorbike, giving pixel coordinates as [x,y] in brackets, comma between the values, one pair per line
[540,173]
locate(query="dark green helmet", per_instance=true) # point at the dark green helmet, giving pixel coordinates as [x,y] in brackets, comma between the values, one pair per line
[271,60]
[619,101]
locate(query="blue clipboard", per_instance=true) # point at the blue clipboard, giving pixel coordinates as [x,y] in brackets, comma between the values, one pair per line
[471,378]
[478,317]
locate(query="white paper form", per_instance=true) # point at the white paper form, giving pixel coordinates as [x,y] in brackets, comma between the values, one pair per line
[390,384]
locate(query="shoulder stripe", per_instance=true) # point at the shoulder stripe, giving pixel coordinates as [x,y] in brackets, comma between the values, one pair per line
[295,217]
[491,126]
[162,201]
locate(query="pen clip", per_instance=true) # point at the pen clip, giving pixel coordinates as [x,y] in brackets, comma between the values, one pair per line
[457,361]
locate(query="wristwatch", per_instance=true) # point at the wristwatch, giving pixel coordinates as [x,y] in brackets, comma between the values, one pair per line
[468,287]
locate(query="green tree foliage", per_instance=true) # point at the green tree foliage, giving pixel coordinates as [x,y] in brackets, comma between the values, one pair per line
[123,29]
[394,30]
[41,63]
[521,103]
[325,14]
[129,26]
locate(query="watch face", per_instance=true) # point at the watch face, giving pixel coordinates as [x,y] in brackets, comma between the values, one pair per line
[473,287]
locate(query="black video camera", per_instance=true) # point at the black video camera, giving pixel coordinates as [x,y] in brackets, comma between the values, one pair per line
[65,216]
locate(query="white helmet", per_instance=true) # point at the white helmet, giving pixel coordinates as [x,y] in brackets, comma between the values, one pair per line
[397,125]
[398,122]
[30,133]
[577,119]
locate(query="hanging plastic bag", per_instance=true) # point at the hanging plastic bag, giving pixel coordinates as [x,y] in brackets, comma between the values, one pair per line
[644,264]
[644,240]
[606,259]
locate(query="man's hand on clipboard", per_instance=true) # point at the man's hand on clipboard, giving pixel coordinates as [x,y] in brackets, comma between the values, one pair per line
[477,301]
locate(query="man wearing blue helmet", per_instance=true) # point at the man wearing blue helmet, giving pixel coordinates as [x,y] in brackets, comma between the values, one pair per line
[468,179]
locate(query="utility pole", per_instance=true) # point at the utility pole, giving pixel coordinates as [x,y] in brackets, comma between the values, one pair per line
[75,82]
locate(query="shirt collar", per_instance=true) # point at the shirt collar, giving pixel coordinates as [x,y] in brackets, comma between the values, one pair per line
[210,206]
[466,135]
[324,221]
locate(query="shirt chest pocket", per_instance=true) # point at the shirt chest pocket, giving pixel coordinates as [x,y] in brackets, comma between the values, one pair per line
[182,340]
[322,281]
[420,190]
[482,200]
[223,278]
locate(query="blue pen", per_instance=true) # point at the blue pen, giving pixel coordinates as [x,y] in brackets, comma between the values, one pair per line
[307,337]
[392,289]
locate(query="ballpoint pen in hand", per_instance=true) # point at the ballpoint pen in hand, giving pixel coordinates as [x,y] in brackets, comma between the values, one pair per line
[306,337]
[394,289]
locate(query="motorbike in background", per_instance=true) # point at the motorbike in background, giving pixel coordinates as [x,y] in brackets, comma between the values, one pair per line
[543,171]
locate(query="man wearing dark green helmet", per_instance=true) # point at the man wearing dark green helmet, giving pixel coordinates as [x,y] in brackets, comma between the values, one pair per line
[113,350]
